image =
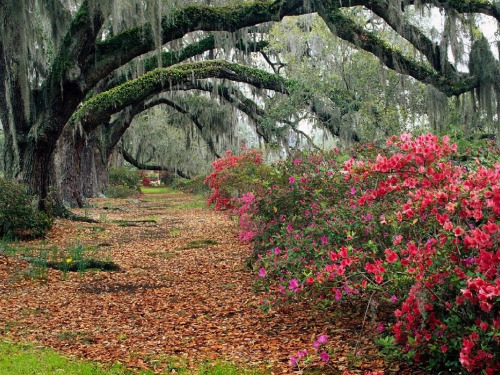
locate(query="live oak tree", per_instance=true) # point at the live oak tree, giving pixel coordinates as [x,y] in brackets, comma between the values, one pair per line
[70,69]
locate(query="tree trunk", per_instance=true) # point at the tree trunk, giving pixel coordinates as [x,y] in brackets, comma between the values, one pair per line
[94,166]
[68,167]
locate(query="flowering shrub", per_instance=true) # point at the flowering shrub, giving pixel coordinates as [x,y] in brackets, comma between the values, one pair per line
[232,176]
[406,226]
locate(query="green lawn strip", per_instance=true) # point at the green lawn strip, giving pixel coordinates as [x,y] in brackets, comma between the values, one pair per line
[199,201]
[190,205]
[24,359]
[156,190]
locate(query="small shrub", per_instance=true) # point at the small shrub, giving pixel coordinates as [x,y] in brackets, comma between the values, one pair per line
[193,186]
[166,178]
[123,183]
[121,176]
[120,191]
[19,216]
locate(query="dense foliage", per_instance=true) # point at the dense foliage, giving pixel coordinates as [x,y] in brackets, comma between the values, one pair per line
[406,227]
[19,216]
[123,182]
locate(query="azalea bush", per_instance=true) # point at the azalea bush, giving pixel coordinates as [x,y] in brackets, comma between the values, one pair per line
[232,176]
[408,226]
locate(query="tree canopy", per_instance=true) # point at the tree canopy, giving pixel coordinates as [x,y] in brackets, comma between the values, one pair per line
[74,73]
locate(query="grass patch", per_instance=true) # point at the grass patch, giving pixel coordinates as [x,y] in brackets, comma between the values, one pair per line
[156,190]
[22,359]
[175,232]
[134,223]
[200,244]
[78,258]
[190,205]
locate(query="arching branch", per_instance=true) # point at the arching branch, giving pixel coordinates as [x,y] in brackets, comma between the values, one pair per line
[116,51]
[348,30]
[432,51]
[485,7]
[147,167]
[98,109]
[170,58]
[117,128]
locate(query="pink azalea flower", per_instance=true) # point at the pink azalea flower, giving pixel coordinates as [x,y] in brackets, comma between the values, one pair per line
[294,285]
[262,272]
[324,356]
[322,339]
[338,294]
[291,180]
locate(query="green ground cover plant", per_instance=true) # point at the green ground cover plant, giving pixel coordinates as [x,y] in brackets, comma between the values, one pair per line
[23,359]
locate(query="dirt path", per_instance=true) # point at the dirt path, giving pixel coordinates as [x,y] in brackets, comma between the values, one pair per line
[184,292]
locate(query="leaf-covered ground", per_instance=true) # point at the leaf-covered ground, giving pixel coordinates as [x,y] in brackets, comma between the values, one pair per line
[183,291]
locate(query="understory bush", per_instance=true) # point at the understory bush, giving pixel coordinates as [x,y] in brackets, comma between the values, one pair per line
[195,185]
[123,182]
[19,216]
[406,227]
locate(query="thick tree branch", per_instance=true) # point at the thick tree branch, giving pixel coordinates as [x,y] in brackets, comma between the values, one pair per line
[465,6]
[432,51]
[146,167]
[100,107]
[170,58]
[122,48]
[64,88]
[348,30]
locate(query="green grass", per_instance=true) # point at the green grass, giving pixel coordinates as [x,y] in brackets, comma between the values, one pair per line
[156,190]
[196,244]
[77,258]
[24,359]
[189,205]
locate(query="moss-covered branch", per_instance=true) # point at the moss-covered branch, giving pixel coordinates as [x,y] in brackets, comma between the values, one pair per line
[149,167]
[486,7]
[125,46]
[100,107]
[347,29]
[170,58]
[432,51]
[63,88]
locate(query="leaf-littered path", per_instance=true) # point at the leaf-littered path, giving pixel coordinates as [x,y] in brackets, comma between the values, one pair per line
[184,291]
